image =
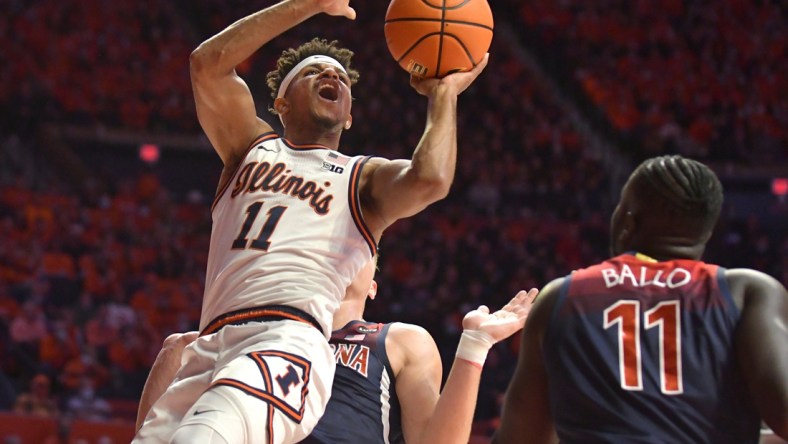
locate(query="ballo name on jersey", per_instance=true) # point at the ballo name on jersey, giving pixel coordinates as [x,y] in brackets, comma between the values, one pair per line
[262,176]
[354,356]
[676,278]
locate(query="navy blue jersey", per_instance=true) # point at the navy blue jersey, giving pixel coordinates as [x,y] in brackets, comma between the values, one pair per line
[363,407]
[640,351]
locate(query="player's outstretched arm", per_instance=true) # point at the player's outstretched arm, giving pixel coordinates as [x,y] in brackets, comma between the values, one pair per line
[526,411]
[392,190]
[163,371]
[762,344]
[225,107]
[429,418]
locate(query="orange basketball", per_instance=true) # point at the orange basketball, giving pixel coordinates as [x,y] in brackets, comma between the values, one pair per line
[432,38]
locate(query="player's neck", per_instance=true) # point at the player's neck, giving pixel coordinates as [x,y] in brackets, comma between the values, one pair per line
[348,311]
[668,251]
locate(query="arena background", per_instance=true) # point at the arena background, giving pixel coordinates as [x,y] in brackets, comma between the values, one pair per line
[106,179]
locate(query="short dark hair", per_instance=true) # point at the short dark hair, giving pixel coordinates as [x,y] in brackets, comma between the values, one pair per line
[317,46]
[680,187]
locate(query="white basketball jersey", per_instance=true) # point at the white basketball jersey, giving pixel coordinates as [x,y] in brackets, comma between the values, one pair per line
[287,230]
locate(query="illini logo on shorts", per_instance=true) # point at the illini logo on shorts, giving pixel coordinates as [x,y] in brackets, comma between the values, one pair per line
[285,379]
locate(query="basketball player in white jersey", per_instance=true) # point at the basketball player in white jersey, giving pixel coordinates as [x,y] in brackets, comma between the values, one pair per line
[293,223]
[410,407]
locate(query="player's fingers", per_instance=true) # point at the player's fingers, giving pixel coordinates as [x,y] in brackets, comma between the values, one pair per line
[521,296]
[484,309]
[520,300]
[480,66]
[350,13]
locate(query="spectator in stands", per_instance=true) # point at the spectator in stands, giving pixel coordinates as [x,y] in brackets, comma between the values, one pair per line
[38,401]
[86,405]
[27,329]
[59,345]
[86,366]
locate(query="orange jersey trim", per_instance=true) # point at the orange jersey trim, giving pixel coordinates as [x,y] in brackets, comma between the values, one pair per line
[220,322]
[355,206]
[311,146]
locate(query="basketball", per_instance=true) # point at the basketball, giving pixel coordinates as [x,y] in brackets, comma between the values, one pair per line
[433,38]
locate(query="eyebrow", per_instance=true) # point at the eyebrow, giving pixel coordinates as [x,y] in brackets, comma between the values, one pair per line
[321,65]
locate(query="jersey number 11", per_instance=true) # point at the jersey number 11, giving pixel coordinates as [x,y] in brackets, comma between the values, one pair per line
[261,242]
[665,315]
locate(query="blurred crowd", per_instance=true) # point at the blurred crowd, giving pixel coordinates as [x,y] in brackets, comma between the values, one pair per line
[702,77]
[93,278]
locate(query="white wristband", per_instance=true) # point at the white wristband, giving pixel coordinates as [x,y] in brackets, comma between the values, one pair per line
[474,346]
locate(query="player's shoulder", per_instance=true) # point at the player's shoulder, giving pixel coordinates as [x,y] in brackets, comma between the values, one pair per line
[374,162]
[403,333]
[748,275]
[542,311]
[407,343]
[753,282]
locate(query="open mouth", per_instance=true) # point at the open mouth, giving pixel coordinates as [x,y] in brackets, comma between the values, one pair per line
[328,91]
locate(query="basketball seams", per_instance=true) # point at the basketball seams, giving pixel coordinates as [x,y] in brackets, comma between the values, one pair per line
[464,48]
[440,42]
[416,43]
[451,22]
[444,7]
[463,29]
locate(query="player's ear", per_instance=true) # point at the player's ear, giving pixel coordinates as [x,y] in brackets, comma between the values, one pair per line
[349,122]
[373,290]
[281,106]
[629,227]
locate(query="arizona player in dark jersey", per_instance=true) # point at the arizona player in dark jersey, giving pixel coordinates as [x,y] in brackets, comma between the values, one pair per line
[363,406]
[653,345]
[387,383]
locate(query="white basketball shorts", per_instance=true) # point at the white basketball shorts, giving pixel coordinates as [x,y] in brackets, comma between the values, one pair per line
[261,382]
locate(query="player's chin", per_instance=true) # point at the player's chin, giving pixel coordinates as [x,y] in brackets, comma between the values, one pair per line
[329,121]
[330,115]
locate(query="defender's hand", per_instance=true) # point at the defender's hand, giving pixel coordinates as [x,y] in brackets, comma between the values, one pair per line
[504,322]
[456,82]
[337,8]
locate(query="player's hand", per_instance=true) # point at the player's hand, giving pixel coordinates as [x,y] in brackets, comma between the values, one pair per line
[337,8]
[504,322]
[456,82]
[179,341]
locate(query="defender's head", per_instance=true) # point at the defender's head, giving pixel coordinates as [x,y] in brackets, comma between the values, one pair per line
[364,284]
[311,85]
[668,208]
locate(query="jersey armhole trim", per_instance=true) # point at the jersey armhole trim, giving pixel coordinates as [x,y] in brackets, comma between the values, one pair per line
[355,205]
[381,345]
[563,292]
[722,283]
[259,139]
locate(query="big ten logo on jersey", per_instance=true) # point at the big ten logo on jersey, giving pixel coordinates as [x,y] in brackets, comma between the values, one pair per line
[335,162]
[279,378]
[353,356]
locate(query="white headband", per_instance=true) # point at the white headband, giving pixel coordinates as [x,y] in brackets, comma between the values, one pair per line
[311,60]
